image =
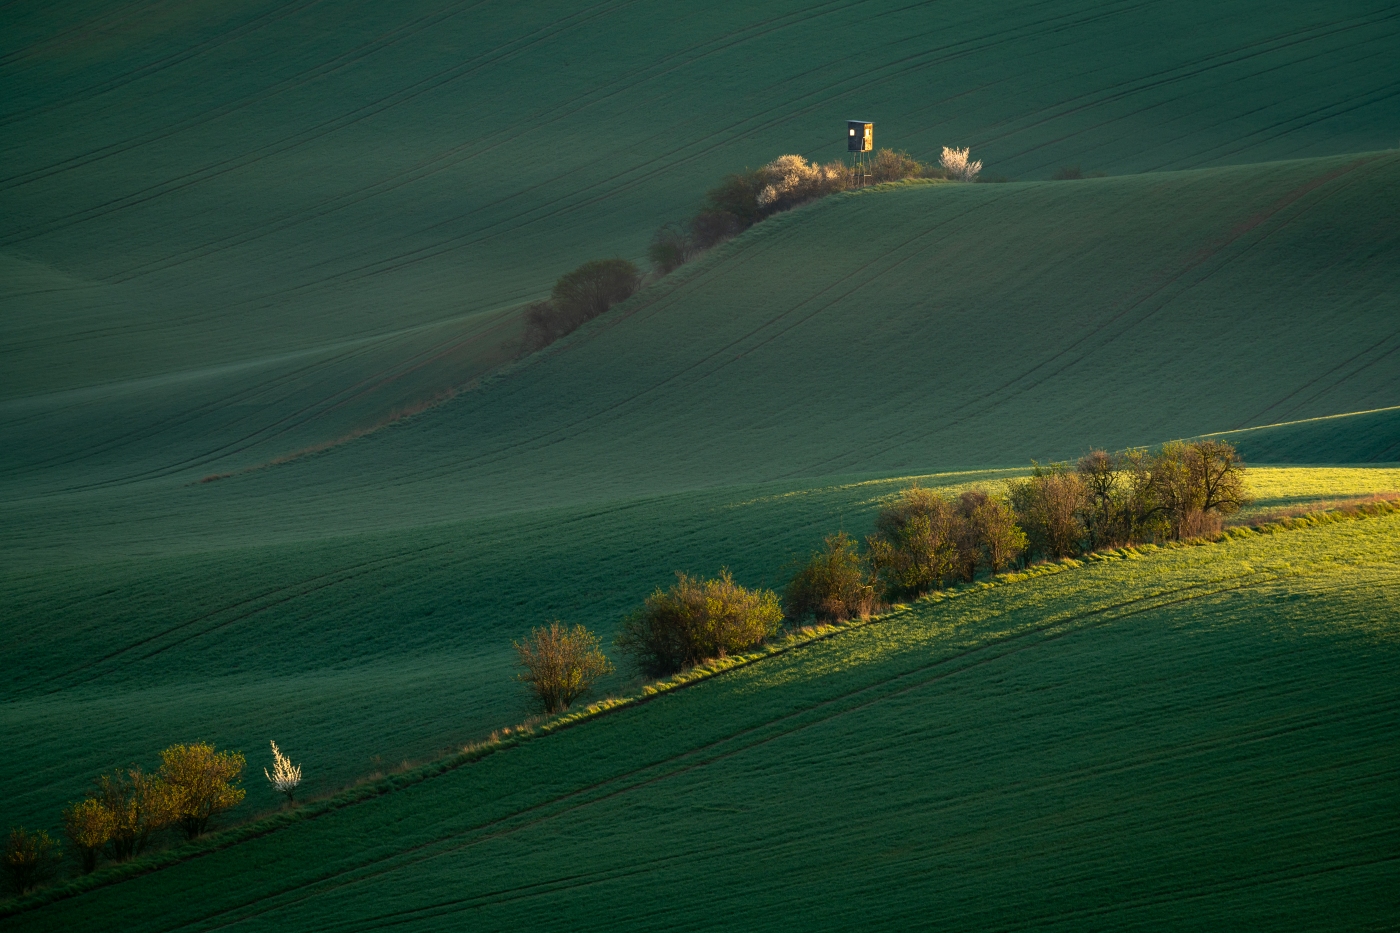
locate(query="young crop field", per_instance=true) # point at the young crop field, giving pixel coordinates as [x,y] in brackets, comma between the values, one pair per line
[275,463]
[364,599]
[1194,738]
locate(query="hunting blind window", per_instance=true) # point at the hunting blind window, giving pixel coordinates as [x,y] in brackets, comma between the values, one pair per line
[860,136]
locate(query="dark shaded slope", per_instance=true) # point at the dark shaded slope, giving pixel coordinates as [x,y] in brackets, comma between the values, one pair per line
[928,327]
[232,183]
[1360,437]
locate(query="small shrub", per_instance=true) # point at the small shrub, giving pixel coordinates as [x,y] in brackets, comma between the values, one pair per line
[833,586]
[1068,173]
[140,804]
[958,165]
[711,227]
[578,297]
[561,664]
[285,777]
[1002,539]
[543,326]
[202,781]
[1199,524]
[915,545]
[895,165]
[791,180]
[90,826]
[672,246]
[1049,505]
[737,195]
[30,859]
[593,288]
[698,619]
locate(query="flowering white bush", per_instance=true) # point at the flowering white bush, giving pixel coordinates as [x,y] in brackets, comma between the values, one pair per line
[285,776]
[957,164]
[792,179]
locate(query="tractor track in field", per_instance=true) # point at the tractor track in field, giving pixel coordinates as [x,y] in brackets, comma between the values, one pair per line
[467,152]
[576,427]
[244,609]
[345,59]
[111,17]
[1179,73]
[787,111]
[239,31]
[291,383]
[325,127]
[718,139]
[680,763]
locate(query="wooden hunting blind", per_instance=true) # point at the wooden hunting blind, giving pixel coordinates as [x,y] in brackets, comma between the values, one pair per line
[860,136]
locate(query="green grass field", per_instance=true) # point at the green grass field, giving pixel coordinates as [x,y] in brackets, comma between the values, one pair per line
[270,467]
[1200,738]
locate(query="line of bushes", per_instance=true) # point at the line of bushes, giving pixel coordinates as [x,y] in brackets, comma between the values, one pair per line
[742,199]
[577,298]
[739,201]
[129,807]
[922,541]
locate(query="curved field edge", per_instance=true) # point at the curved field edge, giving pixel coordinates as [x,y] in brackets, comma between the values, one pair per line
[516,736]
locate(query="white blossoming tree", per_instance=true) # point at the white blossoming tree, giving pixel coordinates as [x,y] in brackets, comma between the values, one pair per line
[959,165]
[285,776]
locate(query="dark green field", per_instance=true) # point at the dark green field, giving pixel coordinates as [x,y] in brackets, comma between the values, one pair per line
[270,467]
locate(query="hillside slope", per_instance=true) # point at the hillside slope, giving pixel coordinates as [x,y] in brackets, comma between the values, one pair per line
[725,416]
[912,328]
[231,232]
[1146,742]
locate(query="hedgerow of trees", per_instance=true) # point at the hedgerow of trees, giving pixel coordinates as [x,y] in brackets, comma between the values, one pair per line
[127,808]
[738,202]
[743,199]
[922,541]
[925,540]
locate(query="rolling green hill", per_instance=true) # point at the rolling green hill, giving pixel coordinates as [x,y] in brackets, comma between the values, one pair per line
[270,466]
[231,232]
[363,599]
[1157,740]
[914,328]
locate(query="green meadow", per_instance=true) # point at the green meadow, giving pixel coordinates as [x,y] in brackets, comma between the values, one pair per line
[272,465]
[1188,738]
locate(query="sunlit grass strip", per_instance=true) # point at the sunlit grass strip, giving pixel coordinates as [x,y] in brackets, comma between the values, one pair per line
[516,735]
